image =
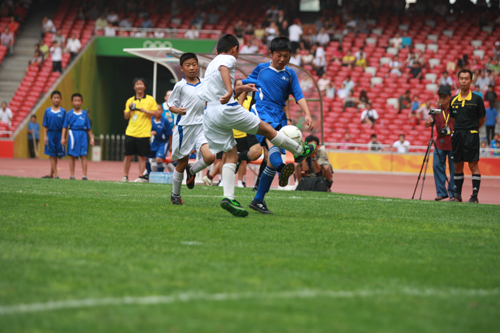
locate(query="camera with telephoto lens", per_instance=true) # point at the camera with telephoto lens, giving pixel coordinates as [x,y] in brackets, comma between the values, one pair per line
[434,112]
[445,131]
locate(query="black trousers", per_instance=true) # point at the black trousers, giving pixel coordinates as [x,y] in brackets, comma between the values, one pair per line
[57,66]
[31,147]
[490,133]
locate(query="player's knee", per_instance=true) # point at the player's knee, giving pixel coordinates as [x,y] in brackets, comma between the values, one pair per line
[209,159]
[83,158]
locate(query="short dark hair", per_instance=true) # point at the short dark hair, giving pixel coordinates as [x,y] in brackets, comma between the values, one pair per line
[138,79]
[226,43]
[76,95]
[373,136]
[33,116]
[55,92]
[465,71]
[187,56]
[280,44]
[311,138]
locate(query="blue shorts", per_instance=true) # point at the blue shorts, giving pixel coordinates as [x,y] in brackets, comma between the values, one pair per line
[53,147]
[159,150]
[274,116]
[77,143]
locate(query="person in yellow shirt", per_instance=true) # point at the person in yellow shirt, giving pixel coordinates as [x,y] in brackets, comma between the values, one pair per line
[139,110]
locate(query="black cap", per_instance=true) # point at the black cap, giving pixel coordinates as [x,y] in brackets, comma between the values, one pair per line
[445,90]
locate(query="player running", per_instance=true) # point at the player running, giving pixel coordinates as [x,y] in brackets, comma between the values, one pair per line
[223,114]
[188,134]
[275,82]
[161,132]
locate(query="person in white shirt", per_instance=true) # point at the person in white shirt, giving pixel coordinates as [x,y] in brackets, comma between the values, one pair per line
[397,41]
[307,58]
[47,26]
[113,18]
[110,30]
[294,34]
[483,81]
[73,46]
[319,61]
[5,114]
[330,90]
[369,116]
[446,80]
[342,92]
[401,145]
[192,33]
[159,34]
[360,54]
[348,83]
[249,48]
[56,54]
[323,82]
[323,37]
[296,59]
[395,66]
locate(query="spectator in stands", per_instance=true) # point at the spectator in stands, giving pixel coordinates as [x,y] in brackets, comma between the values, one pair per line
[136,33]
[113,18]
[402,146]
[477,91]
[59,38]
[397,41]
[323,38]
[159,34]
[56,54]
[342,92]
[420,58]
[81,14]
[110,30]
[350,101]
[415,104]
[309,38]
[272,32]
[410,59]
[416,71]
[13,25]
[413,118]
[319,61]
[330,90]
[249,28]
[192,33]
[101,22]
[369,116]
[5,114]
[361,62]
[47,26]
[348,83]
[126,23]
[317,163]
[37,59]
[446,80]
[491,95]
[73,46]
[491,122]
[295,33]
[33,136]
[406,40]
[7,39]
[404,101]
[239,31]
[423,110]
[44,49]
[147,23]
[483,151]
[475,65]
[463,62]
[323,82]
[495,144]
[363,27]
[249,47]
[284,28]
[496,50]
[212,17]
[373,144]
[396,66]
[483,81]
[345,142]
[295,59]
[259,32]
[307,58]
[363,99]
[495,67]
[360,54]
[349,59]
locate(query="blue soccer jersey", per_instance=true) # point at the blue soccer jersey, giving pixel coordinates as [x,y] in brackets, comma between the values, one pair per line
[167,114]
[54,120]
[275,86]
[77,121]
[163,131]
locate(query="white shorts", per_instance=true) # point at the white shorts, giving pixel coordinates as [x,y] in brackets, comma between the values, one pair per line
[219,122]
[185,139]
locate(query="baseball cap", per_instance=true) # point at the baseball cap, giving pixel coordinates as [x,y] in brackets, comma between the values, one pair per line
[445,90]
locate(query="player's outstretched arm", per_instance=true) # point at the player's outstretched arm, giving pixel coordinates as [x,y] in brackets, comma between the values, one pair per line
[226,78]
[308,119]
[181,111]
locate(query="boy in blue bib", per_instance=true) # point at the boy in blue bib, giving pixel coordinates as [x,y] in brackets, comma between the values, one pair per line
[53,121]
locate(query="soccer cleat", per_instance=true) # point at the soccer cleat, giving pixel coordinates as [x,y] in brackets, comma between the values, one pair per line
[190,177]
[85,178]
[72,178]
[456,199]
[473,199]
[56,177]
[176,200]
[285,173]
[441,198]
[141,179]
[207,181]
[125,179]
[261,207]
[309,149]
[233,207]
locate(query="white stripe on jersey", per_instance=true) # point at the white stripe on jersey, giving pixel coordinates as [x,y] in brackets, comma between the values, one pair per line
[185,95]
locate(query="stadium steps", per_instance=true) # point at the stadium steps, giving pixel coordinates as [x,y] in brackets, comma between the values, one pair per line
[13,68]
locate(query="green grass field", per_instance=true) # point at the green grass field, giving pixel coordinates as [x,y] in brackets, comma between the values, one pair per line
[89,257]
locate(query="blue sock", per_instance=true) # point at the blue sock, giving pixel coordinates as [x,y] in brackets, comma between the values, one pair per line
[275,158]
[148,166]
[265,183]
[160,167]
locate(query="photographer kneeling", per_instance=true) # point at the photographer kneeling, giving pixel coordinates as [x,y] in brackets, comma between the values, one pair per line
[442,149]
[317,164]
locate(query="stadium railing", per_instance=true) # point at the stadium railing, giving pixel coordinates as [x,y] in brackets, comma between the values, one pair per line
[169,32]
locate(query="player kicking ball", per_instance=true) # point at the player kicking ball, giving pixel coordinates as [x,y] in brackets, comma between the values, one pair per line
[188,134]
[223,114]
[275,82]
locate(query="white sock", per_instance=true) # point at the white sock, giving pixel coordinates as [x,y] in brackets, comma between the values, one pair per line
[228,178]
[177,182]
[286,143]
[199,165]
[240,183]
[244,179]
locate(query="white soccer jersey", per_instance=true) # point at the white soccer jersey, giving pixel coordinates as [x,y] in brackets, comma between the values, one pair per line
[185,95]
[213,87]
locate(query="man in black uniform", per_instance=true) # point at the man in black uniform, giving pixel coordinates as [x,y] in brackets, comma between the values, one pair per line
[468,114]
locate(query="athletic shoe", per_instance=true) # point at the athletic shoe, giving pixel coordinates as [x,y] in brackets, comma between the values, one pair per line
[125,179]
[141,179]
[190,177]
[72,178]
[56,177]
[85,178]
[441,198]
[176,200]
[456,199]
[473,199]
[207,181]
[244,184]
[220,184]
[260,207]
[46,176]
[240,184]
[233,207]
[285,173]
[308,151]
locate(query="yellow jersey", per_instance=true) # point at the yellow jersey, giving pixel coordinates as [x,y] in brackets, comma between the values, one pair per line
[139,123]
[246,104]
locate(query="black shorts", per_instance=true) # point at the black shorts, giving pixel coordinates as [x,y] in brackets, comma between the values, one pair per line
[242,144]
[252,140]
[137,146]
[465,146]
[219,155]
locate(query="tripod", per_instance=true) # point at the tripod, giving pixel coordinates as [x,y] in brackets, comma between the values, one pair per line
[426,163]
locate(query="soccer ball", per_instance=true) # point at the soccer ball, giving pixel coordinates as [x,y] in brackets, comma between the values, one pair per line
[292,132]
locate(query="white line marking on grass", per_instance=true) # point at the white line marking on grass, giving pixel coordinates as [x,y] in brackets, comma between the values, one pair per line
[191,243]
[220,297]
